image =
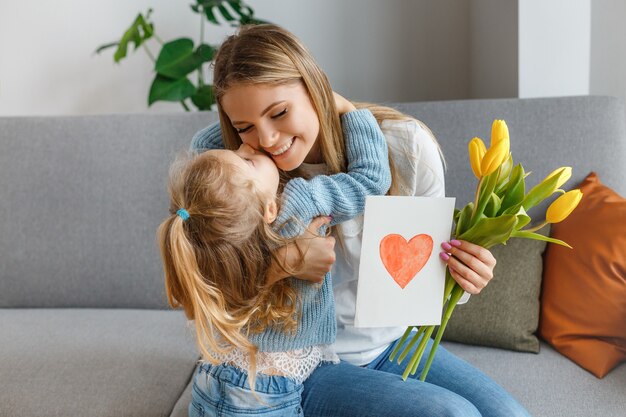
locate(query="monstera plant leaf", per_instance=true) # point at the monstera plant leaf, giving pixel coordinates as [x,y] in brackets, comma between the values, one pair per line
[139,31]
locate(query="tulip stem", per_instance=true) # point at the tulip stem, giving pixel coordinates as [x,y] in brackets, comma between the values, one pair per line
[534,229]
[417,355]
[412,343]
[400,343]
[457,293]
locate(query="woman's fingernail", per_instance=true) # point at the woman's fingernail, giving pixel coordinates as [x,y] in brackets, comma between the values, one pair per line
[446,246]
[455,243]
[444,256]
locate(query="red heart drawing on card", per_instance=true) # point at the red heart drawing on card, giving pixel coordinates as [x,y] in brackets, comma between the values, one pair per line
[402,259]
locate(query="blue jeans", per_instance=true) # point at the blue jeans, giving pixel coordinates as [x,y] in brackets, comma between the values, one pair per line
[453,388]
[224,391]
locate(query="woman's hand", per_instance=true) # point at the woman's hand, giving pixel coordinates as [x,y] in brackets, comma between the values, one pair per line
[318,255]
[470,265]
[343,105]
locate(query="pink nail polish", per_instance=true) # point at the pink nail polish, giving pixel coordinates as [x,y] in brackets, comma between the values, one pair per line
[444,256]
[455,243]
[446,246]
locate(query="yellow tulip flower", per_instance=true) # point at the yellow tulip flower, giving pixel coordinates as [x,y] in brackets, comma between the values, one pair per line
[564,174]
[563,206]
[477,150]
[499,131]
[495,156]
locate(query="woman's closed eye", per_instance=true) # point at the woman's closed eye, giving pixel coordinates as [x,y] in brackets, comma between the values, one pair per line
[282,113]
[244,130]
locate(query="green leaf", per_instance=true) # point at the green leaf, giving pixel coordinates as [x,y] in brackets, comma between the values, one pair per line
[208,12]
[167,89]
[515,189]
[455,216]
[106,46]
[487,185]
[224,12]
[240,9]
[488,232]
[522,218]
[249,20]
[205,53]
[204,97]
[138,32]
[464,218]
[503,177]
[537,236]
[177,58]
[492,206]
[540,192]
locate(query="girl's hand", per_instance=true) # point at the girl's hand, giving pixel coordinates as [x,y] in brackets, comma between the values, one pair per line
[343,105]
[470,265]
[318,255]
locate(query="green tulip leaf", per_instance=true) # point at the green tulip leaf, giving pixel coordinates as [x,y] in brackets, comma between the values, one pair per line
[522,218]
[204,97]
[167,89]
[462,223]
[492,206]
[540,192]
[487,185]
[514,193]
[537,236]
[488,232]
[503,176]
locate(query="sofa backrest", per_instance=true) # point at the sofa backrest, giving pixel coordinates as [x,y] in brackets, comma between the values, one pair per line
[587,133]
[80,201]
[81,197]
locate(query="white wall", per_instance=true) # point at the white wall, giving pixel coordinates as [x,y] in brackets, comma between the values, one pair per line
[494,48]
[554,47]
[608,48]
[392,50]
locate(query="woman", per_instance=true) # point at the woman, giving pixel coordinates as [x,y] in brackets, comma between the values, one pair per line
[272,96]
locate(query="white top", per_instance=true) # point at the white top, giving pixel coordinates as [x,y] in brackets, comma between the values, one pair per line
[418,163]
[296,364]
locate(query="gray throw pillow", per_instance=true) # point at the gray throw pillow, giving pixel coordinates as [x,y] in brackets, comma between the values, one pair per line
[506,312]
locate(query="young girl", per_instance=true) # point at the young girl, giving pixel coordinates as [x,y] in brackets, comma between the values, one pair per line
[218,247]
[273,96]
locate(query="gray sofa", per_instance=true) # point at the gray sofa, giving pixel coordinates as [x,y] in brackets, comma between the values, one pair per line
[84,326]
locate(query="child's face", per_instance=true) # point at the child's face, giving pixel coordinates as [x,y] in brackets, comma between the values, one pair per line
[255,165]
[278,119]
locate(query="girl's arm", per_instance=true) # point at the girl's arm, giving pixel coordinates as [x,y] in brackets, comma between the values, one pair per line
[208,138]
[341,195]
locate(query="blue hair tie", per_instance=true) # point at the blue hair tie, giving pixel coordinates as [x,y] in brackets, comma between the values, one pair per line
[184,214]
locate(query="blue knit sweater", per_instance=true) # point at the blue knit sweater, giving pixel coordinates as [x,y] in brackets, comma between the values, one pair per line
[341,195]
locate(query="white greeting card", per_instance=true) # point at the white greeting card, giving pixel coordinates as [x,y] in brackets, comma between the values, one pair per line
[401,277]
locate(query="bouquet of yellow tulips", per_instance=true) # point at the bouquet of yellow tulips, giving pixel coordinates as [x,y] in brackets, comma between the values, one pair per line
[498,213]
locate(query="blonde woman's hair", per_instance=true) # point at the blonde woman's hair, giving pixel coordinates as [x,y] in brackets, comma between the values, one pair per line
[269,54]
[216,262]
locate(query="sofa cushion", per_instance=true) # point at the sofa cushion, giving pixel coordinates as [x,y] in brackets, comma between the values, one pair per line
[548,384]
[506,312]
[584,289]
[91,362]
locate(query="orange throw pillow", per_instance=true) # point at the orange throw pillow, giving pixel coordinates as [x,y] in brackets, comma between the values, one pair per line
[583,301]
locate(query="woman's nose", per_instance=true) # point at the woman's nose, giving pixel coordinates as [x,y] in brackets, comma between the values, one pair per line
[268,138]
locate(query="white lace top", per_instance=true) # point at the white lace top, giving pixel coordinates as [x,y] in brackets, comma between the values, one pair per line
[296,364]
